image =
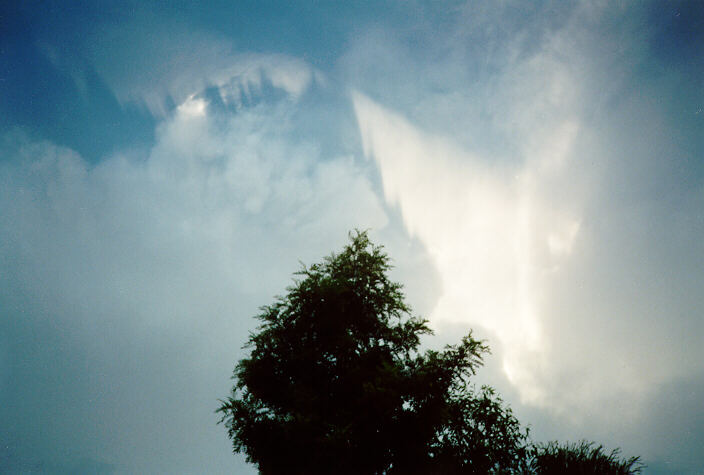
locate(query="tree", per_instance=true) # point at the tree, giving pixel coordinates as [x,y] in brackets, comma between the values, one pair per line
[335,383]
[583,458]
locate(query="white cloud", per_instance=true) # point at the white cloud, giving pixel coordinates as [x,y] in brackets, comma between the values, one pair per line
[537,178]
[487,228]
[151,268]
[533,151]
[192,107]
[159,65]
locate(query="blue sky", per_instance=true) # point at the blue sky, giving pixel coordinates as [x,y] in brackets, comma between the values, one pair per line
[535,170]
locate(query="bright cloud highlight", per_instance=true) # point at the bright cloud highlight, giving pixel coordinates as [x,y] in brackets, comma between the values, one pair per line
[490,233]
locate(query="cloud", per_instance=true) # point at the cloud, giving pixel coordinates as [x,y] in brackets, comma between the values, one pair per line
[164,64]
[547,182]
[490,235]
[129,286]
[541,170]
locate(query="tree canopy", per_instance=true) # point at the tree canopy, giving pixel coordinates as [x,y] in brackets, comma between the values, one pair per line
[335,382]
[582,458]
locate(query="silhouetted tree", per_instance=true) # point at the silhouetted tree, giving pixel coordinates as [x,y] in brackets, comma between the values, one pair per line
[334,383]
[583,458]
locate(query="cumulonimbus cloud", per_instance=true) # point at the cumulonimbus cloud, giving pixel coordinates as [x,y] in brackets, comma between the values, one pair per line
[530,183]
[148,269]
[491,235]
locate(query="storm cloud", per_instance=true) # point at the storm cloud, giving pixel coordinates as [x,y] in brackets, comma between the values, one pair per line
[534,170]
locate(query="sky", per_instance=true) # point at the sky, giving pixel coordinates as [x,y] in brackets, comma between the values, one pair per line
[534,169]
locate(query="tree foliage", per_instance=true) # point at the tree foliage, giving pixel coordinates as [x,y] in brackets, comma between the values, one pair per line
[335,382]
[583,458]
